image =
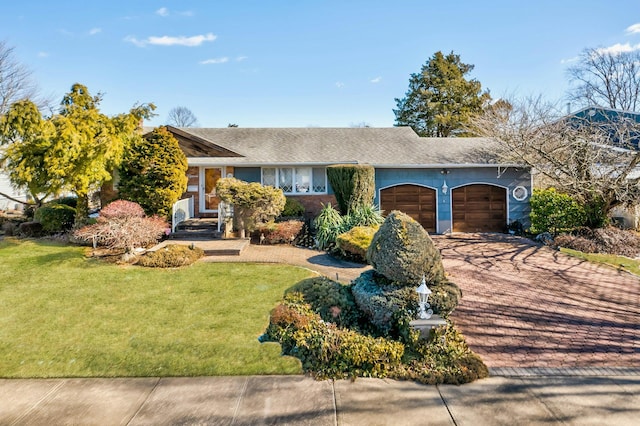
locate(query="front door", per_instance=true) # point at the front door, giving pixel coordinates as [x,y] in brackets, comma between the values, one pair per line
[208,199]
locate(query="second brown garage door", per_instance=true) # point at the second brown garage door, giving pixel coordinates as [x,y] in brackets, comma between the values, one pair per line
[479,208]
[414,200]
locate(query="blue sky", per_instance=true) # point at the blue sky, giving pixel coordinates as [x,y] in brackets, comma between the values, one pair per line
[301,63]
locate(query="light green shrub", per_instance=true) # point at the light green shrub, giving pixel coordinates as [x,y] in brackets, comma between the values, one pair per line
[555,212]
[354,243]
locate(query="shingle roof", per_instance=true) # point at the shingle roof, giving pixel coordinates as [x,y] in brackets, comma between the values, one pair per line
[382,147]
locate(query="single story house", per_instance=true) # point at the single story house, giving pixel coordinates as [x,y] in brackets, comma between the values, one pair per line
[447,184]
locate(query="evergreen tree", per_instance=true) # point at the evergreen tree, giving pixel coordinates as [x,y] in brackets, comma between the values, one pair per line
[153,172]
[440,100]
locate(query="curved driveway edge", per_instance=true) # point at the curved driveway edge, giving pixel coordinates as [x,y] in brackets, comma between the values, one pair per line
[526,305]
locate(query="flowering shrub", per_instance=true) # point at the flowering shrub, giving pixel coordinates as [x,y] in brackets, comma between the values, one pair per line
[122,225]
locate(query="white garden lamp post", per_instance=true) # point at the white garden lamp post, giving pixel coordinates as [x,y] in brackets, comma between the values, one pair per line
[423,296]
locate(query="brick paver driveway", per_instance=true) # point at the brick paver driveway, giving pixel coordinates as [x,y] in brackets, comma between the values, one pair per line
[525,305]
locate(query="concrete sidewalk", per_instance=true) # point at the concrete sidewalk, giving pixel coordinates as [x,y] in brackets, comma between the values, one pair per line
[298,400]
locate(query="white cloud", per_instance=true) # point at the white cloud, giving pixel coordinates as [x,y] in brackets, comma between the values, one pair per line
[163,11]
[570,60]
[339,84]
[633,29]
[376,80]
[94,31]
[618,48]
[186,13]
[215,61]
[43,54]
[242,58]
[192,41]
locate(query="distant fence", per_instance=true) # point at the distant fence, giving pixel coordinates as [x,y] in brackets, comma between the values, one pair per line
[182,210]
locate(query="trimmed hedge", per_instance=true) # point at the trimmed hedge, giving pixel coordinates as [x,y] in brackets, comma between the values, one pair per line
[555,212]
[292,208]
[353,185]
[402,251]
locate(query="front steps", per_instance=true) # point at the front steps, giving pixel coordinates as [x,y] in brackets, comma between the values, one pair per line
[196,229]
[203,233]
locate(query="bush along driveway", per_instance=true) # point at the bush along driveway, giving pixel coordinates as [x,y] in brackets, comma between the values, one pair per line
[526,305]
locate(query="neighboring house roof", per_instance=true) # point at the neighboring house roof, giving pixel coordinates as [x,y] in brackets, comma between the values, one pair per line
[380,147]
[608,119]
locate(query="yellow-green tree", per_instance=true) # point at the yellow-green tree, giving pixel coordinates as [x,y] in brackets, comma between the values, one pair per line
[75,150]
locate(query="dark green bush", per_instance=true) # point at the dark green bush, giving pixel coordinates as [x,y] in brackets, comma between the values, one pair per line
[55,217]
[555,212]
[332,300]
[354,243]
[292,208]
[445,297]
[403,252]
[30,229]
[171,256]
[67,201]
[353,185]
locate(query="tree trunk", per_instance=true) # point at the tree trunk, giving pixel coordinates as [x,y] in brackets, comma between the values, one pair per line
[82,210]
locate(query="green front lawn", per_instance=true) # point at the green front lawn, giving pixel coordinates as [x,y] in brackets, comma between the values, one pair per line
[63,315]
[619,262]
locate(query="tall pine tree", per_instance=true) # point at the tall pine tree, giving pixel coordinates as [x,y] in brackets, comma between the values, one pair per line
[440,99]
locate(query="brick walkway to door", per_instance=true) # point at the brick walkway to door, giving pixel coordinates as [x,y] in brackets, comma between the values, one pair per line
[525,305]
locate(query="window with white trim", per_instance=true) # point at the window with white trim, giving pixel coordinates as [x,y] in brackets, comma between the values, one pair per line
[296,180]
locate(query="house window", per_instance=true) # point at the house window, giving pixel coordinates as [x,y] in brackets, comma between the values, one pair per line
[296,180]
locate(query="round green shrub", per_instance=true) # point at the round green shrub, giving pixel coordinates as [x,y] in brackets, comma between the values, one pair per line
[332,300]
[55,217]
[67,201]
[171,256]
[403,252]
[292,208]
[30,229]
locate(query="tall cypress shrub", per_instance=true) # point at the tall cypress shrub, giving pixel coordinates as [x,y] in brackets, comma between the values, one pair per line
[153,172]
[353,185]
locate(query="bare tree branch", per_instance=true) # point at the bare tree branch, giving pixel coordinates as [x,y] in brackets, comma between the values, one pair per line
[182,117]
[594,161]
[606,79]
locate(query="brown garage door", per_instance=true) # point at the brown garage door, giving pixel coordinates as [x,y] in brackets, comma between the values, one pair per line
[416,201]
[479,208]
